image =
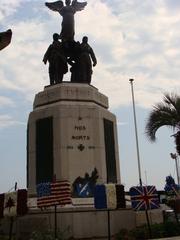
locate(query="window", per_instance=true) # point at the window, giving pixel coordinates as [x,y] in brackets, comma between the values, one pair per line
[110,151]
[44,150]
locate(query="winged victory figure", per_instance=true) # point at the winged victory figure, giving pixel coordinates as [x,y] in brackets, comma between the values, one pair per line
[67,12]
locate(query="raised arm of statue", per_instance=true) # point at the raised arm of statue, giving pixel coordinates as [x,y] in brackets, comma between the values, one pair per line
[5,38]
[93,57]
[67,12]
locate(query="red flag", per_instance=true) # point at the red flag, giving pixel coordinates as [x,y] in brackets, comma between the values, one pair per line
[1,205]
[5,38]
[13,203]
[22,202]
[121,202]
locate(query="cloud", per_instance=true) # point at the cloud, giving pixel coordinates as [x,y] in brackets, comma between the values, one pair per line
[22,68]
[7,121]
[5,101]
[130,40]
[148,52]
[119,123]
[173,5]
[8,7]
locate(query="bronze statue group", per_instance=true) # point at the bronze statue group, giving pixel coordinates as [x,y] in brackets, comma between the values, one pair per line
[65,51]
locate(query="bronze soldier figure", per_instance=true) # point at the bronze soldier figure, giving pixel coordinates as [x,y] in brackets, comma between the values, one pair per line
[57,60]
[87,56]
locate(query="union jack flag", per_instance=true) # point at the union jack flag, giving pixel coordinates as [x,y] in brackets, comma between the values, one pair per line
[144,198]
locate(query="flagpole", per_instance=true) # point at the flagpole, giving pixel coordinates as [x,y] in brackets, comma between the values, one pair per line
[136,133]
[55,221]
[11,227]
[55,213]
[109,225]
[11,218]
[15,186]
[137,149]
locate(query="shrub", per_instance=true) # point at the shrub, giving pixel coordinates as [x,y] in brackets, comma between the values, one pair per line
[168,229]
[5,237]
[48,235]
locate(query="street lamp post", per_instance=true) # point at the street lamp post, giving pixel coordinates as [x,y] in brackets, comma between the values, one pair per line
[175,157]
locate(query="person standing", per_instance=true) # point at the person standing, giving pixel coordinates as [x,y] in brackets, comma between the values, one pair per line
[57,60]
[87,57]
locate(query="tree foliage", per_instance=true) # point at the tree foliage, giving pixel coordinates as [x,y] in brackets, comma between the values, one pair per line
[165,113]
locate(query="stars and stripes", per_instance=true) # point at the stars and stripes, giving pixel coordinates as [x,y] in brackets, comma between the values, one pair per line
[144,198]
[55,193]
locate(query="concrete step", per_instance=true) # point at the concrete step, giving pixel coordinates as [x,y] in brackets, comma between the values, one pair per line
[171,238]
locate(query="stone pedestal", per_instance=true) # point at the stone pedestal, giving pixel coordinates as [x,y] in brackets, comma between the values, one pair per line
[71,133]
[80,223]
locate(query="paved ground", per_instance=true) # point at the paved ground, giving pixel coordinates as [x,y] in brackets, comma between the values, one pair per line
[172,238]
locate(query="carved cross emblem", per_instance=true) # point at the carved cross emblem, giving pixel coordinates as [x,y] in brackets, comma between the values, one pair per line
[81,147]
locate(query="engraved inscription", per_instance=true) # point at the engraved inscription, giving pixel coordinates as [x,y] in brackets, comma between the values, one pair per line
[80,137]
[80,129]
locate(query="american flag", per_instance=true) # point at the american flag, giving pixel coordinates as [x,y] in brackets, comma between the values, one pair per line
[55,193]
[144,198]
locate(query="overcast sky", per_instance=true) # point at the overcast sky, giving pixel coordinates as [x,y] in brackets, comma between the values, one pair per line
[131,39]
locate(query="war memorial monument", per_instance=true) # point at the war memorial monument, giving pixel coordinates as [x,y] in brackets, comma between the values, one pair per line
[72,135]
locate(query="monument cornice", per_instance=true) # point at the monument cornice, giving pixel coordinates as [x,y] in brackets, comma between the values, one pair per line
[70,92]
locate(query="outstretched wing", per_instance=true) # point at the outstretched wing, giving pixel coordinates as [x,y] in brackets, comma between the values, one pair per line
[5,38]
[78,5]
[55,6]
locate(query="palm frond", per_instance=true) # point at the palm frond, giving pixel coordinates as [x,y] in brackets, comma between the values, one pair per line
[166,113]
[173,101]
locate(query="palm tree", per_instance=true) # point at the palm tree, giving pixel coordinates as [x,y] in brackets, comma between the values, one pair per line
[165,113]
